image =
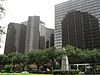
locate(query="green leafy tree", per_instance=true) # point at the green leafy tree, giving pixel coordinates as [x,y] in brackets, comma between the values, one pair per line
[37,57]
[91,56]
[84,57]
[3,61]
[54,56]
[14,59]
[25,61]
[73,53]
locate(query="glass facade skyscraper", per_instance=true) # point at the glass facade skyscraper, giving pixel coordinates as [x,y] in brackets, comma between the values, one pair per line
[32,33]
[81,30]
[29,35]
[15,39]
[90,6]
[37,35]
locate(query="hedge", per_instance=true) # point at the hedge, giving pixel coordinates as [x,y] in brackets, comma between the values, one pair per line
[70,72]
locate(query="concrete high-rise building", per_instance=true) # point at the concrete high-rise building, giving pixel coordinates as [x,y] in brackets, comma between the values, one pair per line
[15,39]
[92,7]
[36,34]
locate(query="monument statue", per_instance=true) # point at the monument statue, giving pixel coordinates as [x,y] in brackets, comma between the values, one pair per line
[65,63]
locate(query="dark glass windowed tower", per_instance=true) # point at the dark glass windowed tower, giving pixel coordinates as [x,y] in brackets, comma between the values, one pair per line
[81,30]
[92,7]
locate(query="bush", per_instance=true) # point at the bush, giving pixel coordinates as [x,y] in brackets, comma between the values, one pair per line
[3,71]
[98,67]
[8,68]
[74,67]
[41,72]
[72,72]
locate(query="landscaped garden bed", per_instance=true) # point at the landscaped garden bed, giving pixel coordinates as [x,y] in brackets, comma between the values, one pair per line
[22,74]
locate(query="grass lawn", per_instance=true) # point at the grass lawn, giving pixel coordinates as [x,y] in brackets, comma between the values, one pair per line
[92,74]
[33,74]
[22,74]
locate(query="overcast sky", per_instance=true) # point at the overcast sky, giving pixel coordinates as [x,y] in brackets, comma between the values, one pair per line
[18,11]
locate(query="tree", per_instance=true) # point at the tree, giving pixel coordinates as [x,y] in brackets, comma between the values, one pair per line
[84,57]
[2,9]
[73,53]
[18,61]
[54,56]
[3,61]
[91,56]
[37,57]
[25,61]
[1,33]
[2,14]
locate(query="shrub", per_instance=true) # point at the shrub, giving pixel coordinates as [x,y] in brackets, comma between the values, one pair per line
[8,68]
[98,67]
[74,67]
[3,71]
[41,72]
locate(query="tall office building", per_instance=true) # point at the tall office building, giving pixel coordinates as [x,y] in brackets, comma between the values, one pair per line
[49,38]
[92,7]
[42,32]
[15,39]
[32,33]
[36,34]
[81,30]
[46,36]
